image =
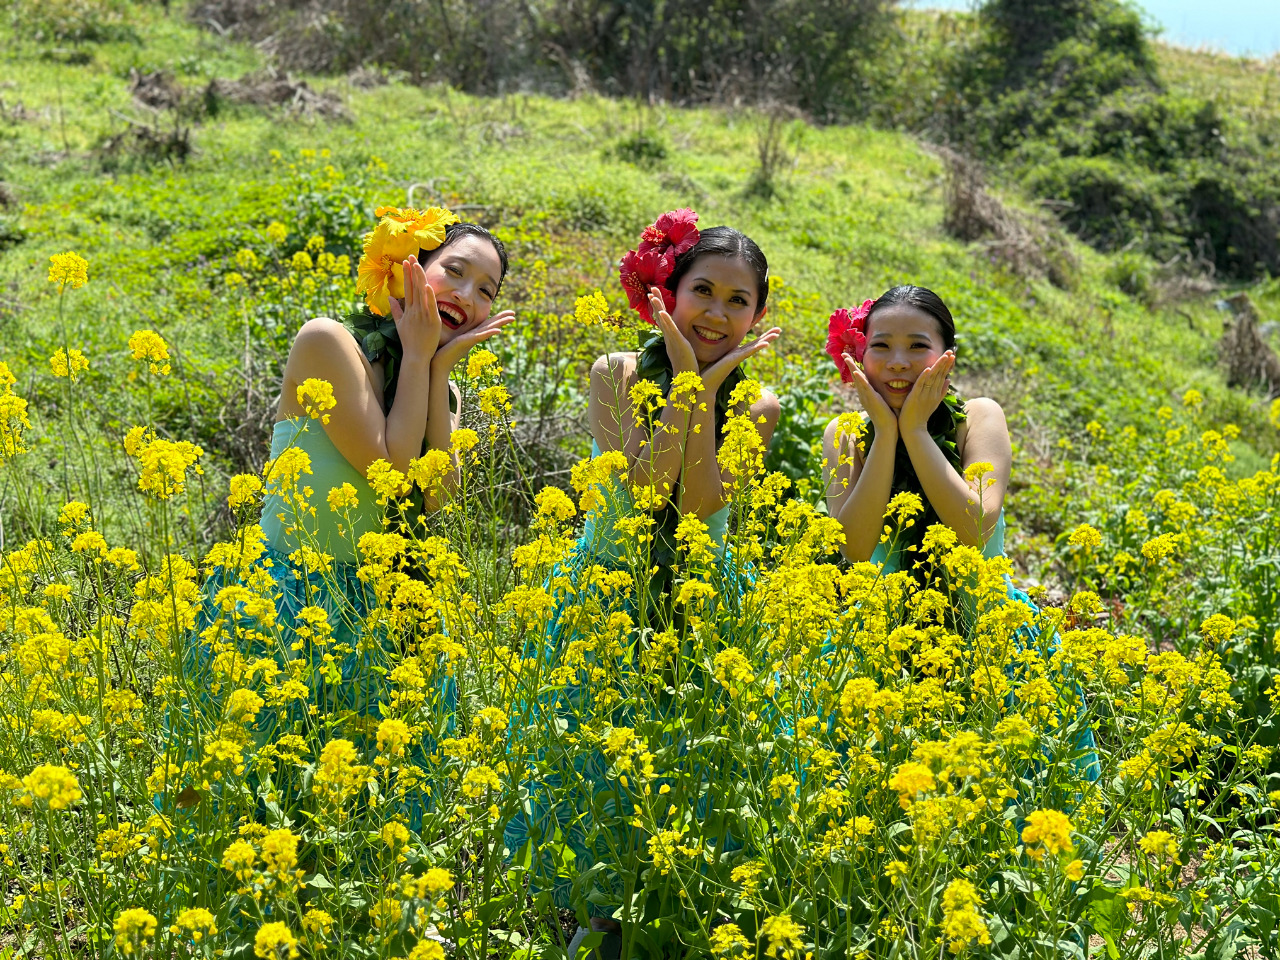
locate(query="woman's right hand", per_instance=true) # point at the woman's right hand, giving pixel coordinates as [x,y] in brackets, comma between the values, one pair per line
[882,416]
[679,349]
[418,320]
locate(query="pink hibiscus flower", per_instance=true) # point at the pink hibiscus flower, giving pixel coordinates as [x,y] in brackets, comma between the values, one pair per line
[676,229]
[639,272]
[847,333]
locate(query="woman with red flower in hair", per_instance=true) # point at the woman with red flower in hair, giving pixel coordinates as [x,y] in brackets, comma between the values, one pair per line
[923,457]
[898,352]
[704,292]
[657,417]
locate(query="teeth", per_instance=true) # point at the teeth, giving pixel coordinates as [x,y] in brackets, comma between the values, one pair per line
[709,334]
[899,384]
[452,313]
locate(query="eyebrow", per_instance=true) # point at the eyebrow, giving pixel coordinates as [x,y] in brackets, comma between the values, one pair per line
[712,282]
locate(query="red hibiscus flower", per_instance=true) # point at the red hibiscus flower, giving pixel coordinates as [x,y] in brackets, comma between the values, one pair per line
[676,230]
[639,272]
[847,333]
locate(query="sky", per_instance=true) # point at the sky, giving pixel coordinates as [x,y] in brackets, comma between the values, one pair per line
[1242,27]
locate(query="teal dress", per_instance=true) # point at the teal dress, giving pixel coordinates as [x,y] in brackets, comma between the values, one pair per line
[576,820]
[1028,636]
[346,678]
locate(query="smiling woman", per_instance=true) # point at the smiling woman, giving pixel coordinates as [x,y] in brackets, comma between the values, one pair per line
[367,407]
[661,417]
[437,278]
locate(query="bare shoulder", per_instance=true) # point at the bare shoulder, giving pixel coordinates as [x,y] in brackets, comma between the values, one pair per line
[324,333]
[983,411]
[612,370]
[768,406]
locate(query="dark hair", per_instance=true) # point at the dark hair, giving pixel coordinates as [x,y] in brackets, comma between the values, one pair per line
[456,231]
[924,300]
[730,243]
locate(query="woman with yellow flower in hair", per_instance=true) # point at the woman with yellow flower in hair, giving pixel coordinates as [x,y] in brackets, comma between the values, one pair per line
[361,398]
[660,421]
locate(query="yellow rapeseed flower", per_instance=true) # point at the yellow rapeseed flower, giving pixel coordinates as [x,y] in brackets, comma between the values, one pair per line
[427,950]
[196,923]
[315,396]
[591,310]
[1047,831]
[275,941]
[149,346]
[55,785]
[135,928]
[68,363]
[961,922]
[780,937]
[68,269]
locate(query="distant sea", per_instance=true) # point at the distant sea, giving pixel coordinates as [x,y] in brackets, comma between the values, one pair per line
[1241,27]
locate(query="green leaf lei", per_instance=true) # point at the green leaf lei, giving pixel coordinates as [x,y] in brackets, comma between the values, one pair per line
[943,425]
[380,340]
[653,364]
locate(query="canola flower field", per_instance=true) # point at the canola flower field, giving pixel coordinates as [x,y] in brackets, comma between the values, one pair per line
[817,760]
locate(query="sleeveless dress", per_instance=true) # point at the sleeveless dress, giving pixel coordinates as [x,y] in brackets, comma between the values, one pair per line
[542,822]
[347,677]
[1027,636]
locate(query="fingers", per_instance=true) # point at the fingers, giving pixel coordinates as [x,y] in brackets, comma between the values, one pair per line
[429,299]
[487,329]
[412,289]
[397,311]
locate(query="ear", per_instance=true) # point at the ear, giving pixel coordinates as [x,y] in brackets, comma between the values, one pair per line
[760,316]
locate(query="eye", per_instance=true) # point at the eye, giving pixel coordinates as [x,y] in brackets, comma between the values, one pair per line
[453,269]
[739,300]
[488,294]
[701,288]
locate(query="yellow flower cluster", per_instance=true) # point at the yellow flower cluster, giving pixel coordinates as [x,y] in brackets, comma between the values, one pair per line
[68,270]
[149,347]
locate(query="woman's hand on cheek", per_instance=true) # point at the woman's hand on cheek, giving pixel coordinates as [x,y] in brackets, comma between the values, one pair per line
[457,348]
[417,320]
[719,371]
[882,416]
[679,349]
[926,394]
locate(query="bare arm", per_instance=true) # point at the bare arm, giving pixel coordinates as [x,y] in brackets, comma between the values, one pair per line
[357,426]
[969,508]
[858,490]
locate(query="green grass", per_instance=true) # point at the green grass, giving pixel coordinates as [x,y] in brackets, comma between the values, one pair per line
[858,210]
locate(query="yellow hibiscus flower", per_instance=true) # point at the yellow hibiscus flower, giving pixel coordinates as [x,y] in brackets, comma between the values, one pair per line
[400,234]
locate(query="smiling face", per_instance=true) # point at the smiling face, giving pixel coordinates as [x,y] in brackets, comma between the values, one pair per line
[715,305]
[902,342]
[464,275]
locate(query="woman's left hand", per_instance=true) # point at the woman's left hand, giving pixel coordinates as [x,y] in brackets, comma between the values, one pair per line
[927,392]
[719,371]
[448,355]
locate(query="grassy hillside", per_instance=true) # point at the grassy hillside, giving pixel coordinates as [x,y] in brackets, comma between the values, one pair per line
[847,212]
[804,757]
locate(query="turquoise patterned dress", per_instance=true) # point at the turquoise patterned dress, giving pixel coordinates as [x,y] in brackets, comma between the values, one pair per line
[347,677]
[572,823]
[1027,637]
